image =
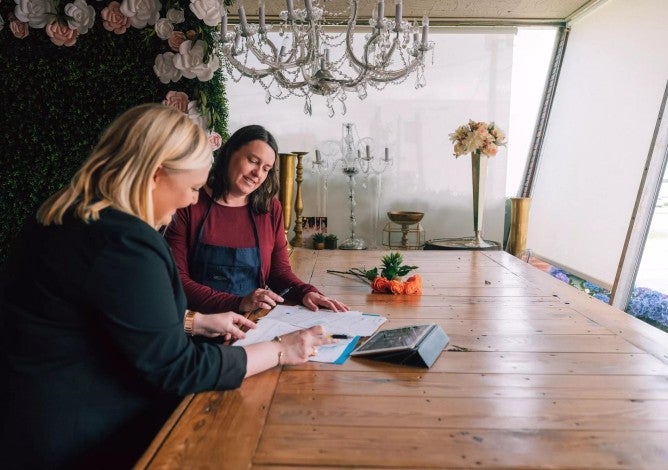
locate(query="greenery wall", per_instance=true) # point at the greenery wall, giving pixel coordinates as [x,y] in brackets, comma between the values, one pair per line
[56,100]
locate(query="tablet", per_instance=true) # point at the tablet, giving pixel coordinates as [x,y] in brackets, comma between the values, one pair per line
[397,339]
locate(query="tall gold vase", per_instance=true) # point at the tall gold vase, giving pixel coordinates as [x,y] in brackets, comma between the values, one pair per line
[286,175]
[519,222]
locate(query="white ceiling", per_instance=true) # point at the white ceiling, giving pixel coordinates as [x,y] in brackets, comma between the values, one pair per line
[486,12]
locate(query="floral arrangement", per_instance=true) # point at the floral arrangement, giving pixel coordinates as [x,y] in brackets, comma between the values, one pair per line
[388,280]
[187,34]
[647,304]
[480,138]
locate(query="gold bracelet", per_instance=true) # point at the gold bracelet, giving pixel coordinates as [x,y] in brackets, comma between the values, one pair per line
[189,322]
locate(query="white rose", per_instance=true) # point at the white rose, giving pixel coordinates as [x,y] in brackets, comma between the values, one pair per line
[209,11]
[164,68]
[164,28]
[37,13]
[176,15]
[195,115]
[141,12]
[81,16]
[190,61]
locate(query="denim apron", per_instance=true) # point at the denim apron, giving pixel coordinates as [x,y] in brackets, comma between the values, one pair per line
[233,270]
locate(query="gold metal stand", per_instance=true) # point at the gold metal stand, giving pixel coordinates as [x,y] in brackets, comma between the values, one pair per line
[299,203]
[286,175]
[519,221]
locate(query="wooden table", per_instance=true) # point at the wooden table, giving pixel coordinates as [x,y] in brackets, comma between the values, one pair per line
[536,375]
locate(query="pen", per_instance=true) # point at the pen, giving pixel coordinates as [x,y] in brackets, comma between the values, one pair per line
[337,336]
[285,291]
[257,310]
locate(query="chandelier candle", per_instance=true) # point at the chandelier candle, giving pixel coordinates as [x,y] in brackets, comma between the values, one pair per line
[397,14]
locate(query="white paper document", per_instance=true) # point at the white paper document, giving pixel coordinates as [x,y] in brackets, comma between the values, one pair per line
[285,319]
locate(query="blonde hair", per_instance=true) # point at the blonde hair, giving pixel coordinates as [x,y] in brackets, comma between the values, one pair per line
[119,171]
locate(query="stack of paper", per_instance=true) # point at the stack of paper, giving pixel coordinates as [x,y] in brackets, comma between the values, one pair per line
[285,319]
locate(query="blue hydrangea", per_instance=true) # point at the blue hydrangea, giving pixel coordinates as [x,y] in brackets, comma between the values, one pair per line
[650,304]
[644,303]
[602,297]
[560,274]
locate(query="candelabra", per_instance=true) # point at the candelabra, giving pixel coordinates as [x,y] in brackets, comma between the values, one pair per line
[302,66]
[354,156]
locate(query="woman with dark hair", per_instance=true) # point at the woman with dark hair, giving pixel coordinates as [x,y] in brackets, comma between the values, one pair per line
[230,247]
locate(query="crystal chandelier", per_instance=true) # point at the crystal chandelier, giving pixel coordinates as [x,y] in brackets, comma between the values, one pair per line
[300,58]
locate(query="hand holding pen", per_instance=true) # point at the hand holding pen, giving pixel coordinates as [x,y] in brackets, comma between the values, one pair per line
[262,299]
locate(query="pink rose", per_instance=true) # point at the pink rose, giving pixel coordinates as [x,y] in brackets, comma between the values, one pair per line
[215,140]
[18,28]
[113,19]
[178,100]
[175,40]
[61,34]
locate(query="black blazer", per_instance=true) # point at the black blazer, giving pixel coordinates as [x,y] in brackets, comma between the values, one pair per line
[94,353]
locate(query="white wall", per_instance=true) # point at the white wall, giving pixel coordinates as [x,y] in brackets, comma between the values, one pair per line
[598,138]
[470,78]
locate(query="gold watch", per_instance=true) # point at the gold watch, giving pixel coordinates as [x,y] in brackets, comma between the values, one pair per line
[189,322]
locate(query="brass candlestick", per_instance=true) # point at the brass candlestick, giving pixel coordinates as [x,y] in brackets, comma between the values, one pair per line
[286,175]
[299,203]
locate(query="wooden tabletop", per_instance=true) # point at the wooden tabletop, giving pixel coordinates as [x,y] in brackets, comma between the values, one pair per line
[537,375]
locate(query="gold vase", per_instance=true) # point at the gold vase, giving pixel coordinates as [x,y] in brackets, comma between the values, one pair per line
[519,222]
[286,176]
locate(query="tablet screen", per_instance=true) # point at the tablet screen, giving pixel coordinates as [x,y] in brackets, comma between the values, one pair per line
[406,337]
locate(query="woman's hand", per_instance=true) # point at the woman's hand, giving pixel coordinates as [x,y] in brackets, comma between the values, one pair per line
[299,346]
[293,348]
[226,324]
[260,299]
[313,300]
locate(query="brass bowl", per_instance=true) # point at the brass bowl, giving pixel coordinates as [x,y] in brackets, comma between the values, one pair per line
[405,217]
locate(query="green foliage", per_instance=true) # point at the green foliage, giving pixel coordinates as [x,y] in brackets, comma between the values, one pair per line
[331,237]
[393,266]
[58,100]
[318,237]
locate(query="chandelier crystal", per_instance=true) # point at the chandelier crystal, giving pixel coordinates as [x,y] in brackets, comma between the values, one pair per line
[300,58]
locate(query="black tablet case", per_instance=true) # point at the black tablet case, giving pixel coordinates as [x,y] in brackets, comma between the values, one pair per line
[423,355]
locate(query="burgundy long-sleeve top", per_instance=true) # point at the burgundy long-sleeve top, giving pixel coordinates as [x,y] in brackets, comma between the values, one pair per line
[232,227]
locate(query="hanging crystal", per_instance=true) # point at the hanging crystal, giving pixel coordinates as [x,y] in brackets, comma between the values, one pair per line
[301,65]
[307,106]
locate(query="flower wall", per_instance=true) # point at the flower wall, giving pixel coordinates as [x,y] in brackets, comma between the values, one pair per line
[70,67]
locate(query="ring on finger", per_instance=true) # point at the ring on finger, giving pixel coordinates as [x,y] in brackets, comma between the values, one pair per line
[314,352]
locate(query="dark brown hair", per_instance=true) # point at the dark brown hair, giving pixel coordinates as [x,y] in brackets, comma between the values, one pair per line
[219,179]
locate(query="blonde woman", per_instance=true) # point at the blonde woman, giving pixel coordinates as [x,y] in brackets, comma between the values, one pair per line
[93,309]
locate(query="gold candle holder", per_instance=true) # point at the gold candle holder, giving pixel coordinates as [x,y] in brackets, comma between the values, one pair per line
[286,176]
[299,203]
